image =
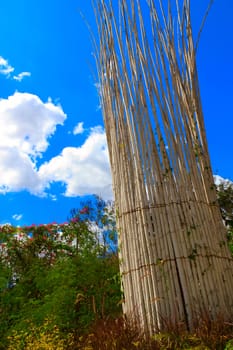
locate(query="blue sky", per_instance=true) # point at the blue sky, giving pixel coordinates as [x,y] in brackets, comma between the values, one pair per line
[52,142]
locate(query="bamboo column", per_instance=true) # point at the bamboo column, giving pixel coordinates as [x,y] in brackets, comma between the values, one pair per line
[175,263]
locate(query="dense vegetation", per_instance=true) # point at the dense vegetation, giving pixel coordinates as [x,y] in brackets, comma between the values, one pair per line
[60,287]
[225,199]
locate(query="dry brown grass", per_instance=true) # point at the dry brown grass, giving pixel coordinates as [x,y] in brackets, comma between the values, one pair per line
[116,334]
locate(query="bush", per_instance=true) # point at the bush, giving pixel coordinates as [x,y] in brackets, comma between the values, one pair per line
[44,337]
[225,200]
[62,273]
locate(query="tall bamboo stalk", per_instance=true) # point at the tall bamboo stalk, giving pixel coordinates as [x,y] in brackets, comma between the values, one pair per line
[175,262]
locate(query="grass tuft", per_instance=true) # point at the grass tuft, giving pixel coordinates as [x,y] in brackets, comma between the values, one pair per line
[119,334]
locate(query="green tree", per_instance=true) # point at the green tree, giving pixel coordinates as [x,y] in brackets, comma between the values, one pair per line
[225,199]
[59,273]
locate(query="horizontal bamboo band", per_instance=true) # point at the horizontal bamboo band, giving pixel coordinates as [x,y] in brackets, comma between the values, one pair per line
[163,261]
[163,205]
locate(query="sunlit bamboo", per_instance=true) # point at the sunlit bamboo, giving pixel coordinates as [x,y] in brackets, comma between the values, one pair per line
[175,263]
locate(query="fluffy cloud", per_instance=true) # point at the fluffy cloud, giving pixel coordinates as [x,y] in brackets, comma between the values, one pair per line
[78,129]
[26,123]
[83,170]
[219,180]
[18,172]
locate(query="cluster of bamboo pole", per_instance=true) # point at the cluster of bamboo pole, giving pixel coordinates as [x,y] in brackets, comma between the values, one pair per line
[174,259]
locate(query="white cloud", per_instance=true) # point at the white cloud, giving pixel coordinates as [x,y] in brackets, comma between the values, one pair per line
[26,123]
[5,67]
[7,70]
[78,129]
[21,75]
[18,172]
[83,170]
[218,180]
[17,217]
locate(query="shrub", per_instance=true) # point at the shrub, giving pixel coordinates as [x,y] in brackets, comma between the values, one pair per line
[71,279]
[46,337]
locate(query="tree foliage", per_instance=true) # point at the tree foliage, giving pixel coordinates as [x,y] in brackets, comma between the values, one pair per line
[225,199]
[65,274]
